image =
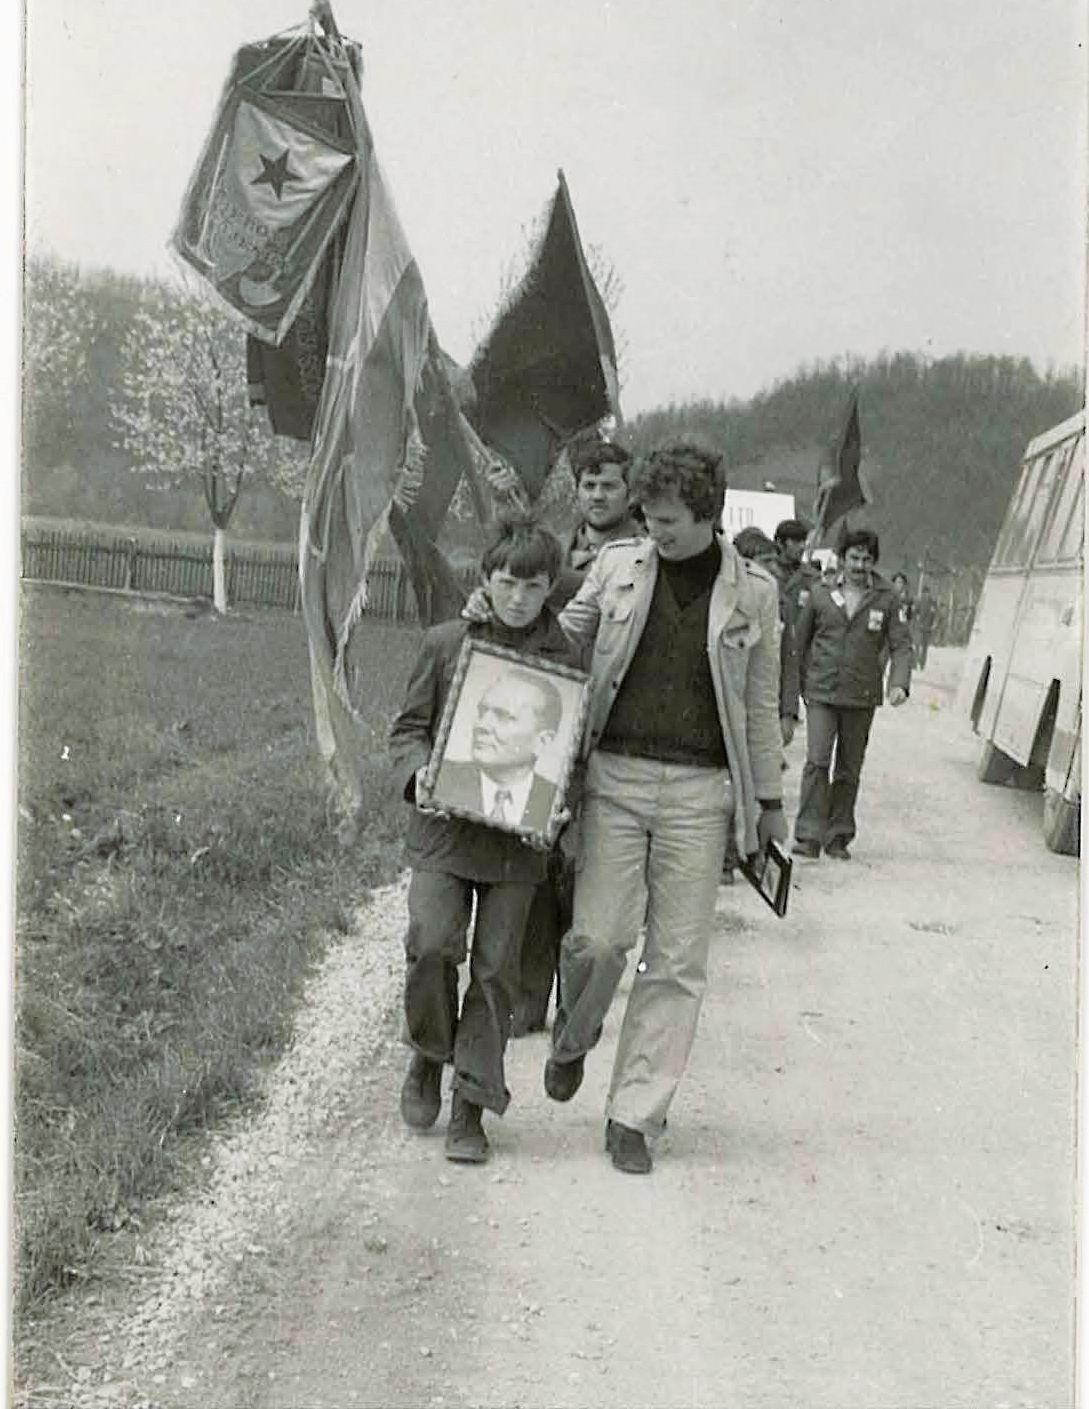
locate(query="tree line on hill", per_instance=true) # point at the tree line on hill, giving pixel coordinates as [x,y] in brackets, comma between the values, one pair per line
[941,438]
[941,442]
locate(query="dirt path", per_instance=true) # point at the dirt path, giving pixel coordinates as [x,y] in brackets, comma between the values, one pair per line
[864,1198]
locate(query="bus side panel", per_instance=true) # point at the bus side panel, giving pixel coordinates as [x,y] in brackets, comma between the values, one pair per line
[1015,728]
[1063,773]
[1045,648]
[992,638]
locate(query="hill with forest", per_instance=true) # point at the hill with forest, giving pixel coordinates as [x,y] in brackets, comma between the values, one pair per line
[941,439]
[941,442]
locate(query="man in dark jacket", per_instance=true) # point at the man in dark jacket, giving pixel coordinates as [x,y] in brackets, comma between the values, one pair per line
[843,633]
[794,575]
[923,619]
[755,546]
[455,861]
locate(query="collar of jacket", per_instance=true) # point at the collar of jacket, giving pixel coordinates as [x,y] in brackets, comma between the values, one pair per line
[732,592]
[542,634]
[628,527]
[875,584]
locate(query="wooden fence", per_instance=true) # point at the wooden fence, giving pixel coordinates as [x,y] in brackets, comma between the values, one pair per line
[256,576]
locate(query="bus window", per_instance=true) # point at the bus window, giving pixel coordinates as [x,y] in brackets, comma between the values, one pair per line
[1073,542]
[1027,513]
[1062,540]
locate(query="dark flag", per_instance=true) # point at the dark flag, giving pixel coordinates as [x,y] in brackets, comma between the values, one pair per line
[547,368]
[841,491]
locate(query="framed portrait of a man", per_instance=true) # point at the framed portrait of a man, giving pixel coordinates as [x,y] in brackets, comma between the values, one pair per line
[507,742]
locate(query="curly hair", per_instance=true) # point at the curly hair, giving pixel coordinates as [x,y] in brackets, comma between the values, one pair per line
[521,545]
[589,450]
[695,473]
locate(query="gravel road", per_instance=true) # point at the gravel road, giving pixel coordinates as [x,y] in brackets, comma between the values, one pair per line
[864,1199]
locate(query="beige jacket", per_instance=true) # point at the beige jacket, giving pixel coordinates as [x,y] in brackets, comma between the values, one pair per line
[610,610]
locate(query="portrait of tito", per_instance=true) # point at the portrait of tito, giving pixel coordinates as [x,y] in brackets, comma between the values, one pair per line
[517,717]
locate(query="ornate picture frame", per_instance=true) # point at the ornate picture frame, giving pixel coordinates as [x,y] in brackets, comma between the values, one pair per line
[507,742]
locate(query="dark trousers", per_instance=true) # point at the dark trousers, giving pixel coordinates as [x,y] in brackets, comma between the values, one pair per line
[549,919]
[826,808]
[439,909]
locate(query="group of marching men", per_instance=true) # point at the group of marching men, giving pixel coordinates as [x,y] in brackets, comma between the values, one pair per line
[698,652]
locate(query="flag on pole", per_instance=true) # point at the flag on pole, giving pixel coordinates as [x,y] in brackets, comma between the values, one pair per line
[547,368]
[286,379]
[387,454]
[841,491]
[270,189]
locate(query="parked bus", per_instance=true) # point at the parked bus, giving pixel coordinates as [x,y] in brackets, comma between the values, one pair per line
[1022,680]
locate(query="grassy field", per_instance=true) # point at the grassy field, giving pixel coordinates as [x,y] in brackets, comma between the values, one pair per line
[177,878]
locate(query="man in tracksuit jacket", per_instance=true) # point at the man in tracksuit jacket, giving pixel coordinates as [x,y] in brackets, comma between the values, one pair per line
[844,632]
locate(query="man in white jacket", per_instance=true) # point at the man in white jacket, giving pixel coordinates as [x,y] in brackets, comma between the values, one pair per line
[682,741]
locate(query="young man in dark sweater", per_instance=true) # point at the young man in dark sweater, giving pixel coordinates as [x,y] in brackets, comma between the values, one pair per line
[683,743]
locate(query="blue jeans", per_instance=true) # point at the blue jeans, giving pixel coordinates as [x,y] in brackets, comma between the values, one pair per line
[653,839]
[826,804]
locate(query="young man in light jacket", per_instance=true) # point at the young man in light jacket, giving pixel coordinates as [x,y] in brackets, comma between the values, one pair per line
[683,742]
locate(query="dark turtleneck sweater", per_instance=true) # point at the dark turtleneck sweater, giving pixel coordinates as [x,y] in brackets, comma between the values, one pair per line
[665,707]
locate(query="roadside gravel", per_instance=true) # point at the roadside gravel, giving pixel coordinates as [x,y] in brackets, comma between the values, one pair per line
[84,1356]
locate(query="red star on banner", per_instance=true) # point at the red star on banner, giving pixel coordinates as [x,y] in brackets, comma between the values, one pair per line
[276,173]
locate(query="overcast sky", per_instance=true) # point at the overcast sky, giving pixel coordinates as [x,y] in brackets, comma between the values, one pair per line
[774,183]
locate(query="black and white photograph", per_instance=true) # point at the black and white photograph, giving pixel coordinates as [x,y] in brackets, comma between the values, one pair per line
[547,673]
[509,742]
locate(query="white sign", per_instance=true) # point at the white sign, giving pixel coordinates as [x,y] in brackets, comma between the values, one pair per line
[752,508]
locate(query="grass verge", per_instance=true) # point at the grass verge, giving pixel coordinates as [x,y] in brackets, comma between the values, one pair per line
[177,879]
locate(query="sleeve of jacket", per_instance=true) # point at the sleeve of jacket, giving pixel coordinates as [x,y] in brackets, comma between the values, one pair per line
[898,637]
[763,731]
[413,731]
[803,640]
[580,617]
[789,684]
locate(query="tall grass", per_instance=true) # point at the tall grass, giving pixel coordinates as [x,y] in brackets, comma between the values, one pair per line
[177,879]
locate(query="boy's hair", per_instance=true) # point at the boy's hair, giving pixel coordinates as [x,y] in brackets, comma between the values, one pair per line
[753,542]
[861,538]
[522,546]
[696,474]
[900,577]
[589,450]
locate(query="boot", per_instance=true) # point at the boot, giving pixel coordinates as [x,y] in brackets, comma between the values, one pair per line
[628,1148]
[466,1142]
[421,1092]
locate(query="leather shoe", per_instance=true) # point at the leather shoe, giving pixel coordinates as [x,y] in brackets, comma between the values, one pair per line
[811,849]
[563,1079]
[837,850]
[628,1148]
[466,1142]
[421,1092]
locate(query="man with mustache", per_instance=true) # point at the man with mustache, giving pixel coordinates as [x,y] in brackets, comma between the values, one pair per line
[600,468]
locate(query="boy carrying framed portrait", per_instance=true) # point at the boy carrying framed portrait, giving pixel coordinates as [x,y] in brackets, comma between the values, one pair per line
[483,748]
